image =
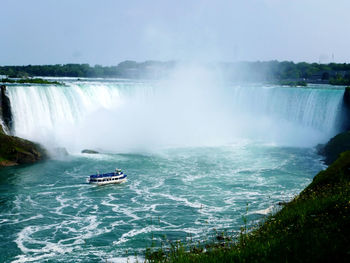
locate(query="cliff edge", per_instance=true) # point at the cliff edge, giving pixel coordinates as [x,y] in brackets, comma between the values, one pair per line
[341,142]
[14,150]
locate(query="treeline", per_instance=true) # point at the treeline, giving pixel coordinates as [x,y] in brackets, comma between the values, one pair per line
[30,81]
[289,71]
[338,74]
[127,69]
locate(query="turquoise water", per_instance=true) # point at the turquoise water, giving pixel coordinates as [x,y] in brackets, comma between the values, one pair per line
[197,152]
[48,212]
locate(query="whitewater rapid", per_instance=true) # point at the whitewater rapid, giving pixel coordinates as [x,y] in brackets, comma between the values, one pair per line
[49,213]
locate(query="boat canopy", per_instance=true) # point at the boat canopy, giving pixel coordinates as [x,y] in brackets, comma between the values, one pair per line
[103,175]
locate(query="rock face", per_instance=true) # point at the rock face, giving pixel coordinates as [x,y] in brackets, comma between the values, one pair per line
[14,150]
[341,142]
[5,108]
[347,96]
[335,147]
[89,151]
[346,106]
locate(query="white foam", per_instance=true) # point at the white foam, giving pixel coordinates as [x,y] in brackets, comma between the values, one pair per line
[24,236]
[28,258]
[63,204]
[126,259]
[264,211]
[134,232]
[180,199]
[38,216]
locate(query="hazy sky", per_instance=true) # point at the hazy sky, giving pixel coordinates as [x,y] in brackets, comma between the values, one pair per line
[109,31]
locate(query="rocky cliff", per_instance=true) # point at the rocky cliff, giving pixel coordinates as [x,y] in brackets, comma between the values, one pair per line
[5,109]
[14,150]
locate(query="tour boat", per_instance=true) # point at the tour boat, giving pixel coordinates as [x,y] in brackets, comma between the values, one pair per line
[109,178]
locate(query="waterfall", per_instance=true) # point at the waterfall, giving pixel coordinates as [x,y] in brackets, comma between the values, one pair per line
[316,108]
[126,115]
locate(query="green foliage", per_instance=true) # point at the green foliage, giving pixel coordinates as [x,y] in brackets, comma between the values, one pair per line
[313,227]
[337,74]
[340,80]
[30,81]
[335,147]
[124,69]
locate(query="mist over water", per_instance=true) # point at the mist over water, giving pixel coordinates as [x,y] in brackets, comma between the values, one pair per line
[196,148]
[193,107]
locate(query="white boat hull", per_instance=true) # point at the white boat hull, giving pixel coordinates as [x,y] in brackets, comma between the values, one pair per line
[119,181]
[108,178]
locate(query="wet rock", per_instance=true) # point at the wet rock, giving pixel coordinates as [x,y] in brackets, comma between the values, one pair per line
[15,150]
[5,108]
[89,151]
[346,110]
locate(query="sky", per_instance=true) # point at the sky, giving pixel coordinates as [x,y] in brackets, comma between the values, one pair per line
[107,32]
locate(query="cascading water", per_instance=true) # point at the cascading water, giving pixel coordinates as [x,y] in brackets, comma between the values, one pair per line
[48,213]
[288,115]
[53,115]
[121,116]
